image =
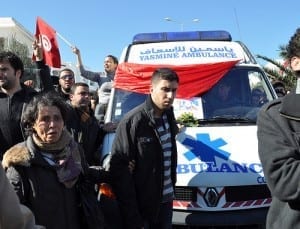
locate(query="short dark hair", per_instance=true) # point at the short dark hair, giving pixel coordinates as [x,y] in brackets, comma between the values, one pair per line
[293,47]
[13,59]
[66,70]
[76,85]
[278,84]
[164,74]
[115,59]
[31,111]
[94,96]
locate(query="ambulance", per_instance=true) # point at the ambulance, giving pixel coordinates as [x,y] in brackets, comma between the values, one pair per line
[220,181]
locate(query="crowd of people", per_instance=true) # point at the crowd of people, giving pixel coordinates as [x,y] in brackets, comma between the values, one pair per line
[51,169]
[50,150]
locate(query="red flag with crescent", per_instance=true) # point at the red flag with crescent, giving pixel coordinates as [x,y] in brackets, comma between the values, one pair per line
[50,46]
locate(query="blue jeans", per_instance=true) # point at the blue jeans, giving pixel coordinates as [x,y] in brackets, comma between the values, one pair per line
[164,220]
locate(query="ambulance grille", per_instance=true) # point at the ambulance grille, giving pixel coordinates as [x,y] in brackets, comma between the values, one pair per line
[248,192]
[186,193]
[232,193]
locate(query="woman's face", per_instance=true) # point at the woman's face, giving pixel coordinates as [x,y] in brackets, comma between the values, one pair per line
[49,124]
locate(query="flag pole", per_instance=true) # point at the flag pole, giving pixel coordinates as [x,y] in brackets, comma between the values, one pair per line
[65,40]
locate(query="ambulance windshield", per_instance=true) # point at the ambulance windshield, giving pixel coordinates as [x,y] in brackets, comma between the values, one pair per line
[238,95]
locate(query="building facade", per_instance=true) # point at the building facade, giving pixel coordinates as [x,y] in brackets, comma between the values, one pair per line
[13,31]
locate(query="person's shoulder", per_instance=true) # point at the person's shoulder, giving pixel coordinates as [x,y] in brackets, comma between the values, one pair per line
[103,78]
[28,90]
[102,74]
[94,121]
[16,155]
[72,113]
[272,104]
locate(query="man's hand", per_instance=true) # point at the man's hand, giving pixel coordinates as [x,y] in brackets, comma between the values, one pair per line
[75,50]
[38,49]
[29,83]
[109,126]
[131,166]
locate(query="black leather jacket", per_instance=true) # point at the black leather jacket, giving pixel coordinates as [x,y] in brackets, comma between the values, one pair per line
[140,193]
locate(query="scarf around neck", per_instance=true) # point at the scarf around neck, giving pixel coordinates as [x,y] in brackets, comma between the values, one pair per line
[65,157]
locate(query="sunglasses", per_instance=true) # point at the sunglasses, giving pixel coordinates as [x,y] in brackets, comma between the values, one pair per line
[65,77]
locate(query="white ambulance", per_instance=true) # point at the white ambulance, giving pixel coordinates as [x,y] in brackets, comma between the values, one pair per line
[220,181]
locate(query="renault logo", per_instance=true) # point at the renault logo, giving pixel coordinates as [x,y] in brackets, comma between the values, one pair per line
[211,197]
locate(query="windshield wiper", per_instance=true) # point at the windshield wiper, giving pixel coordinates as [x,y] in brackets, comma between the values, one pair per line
[227,119]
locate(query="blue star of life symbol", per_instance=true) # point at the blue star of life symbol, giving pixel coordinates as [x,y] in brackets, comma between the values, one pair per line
[204,148]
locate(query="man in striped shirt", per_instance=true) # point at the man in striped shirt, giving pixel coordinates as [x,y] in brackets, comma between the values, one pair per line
[147,135]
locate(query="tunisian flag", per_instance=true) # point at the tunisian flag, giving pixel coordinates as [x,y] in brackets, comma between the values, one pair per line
[49,42]
[193,79]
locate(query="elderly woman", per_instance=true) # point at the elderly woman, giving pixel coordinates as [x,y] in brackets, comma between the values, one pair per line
[48,169]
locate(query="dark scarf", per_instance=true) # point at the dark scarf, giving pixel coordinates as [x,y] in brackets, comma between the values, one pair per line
[65,157]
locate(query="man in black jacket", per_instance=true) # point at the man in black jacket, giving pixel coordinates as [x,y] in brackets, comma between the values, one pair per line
[14,96]
[83,125]
[65,82]
[147,136]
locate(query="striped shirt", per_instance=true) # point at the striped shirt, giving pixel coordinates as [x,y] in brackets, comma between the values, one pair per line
[163,129]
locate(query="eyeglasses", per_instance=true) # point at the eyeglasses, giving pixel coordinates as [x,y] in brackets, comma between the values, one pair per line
[65,77]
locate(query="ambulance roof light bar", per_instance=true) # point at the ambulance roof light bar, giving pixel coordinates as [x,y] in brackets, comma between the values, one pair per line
[216,35]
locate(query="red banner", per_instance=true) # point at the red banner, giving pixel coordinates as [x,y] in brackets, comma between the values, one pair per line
[50,46]
[193,79]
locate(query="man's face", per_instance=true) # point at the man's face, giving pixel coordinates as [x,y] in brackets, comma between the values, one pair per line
[295,65]
[9,78]
[66,80]
[81,97]
[223,91]
[163,93]
[109,65]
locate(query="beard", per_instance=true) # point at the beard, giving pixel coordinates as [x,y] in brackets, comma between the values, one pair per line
[7,85]
[67,90]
